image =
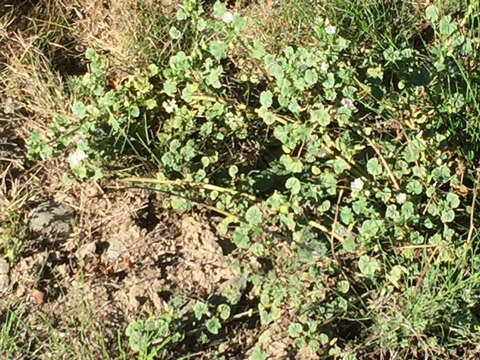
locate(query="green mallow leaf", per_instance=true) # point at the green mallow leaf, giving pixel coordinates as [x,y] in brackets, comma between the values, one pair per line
[373,167]
[367,265]
[213,325]
[79,109]
[253,216]
[219,9]
[266,98]
[293,184]
[218,49]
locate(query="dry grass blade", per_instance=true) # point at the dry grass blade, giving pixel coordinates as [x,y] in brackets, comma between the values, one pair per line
[332,235]
[424,272]
[384,163]
[472,213]
[323,229]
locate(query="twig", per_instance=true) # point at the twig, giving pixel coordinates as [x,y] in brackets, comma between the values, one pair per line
[300,150]
[205,186]
[248,313]
[221,212]
[425,246]
[428,205]
[322,228]
[472,212]
[424,272]
[197,203]
[332,236]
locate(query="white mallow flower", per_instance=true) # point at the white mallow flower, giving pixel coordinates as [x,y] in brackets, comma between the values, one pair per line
[330,29]
[227,17]
[357,184]
[324,67]
[169,105]
[401,198]
[76,157]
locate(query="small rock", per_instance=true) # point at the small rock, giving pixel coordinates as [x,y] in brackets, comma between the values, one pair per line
[4,278]
[116,250]
[38,296]
[86,250]
[50,218]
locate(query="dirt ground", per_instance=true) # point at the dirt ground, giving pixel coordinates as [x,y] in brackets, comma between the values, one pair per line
[102,254]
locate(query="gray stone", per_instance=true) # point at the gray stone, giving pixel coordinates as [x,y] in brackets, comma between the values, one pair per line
[116,250]
[50,218]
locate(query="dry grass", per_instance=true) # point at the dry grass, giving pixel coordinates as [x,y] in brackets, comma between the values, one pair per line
[28,78]
[278,23]
[127,32]
[44,45]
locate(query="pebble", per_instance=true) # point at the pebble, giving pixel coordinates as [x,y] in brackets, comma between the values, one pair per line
[4,278]
[116,250]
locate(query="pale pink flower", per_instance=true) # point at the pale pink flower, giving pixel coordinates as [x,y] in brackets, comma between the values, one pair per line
[347,103]
[227,17]
[357,184]
[330,29]
[76,157]
[401,198]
